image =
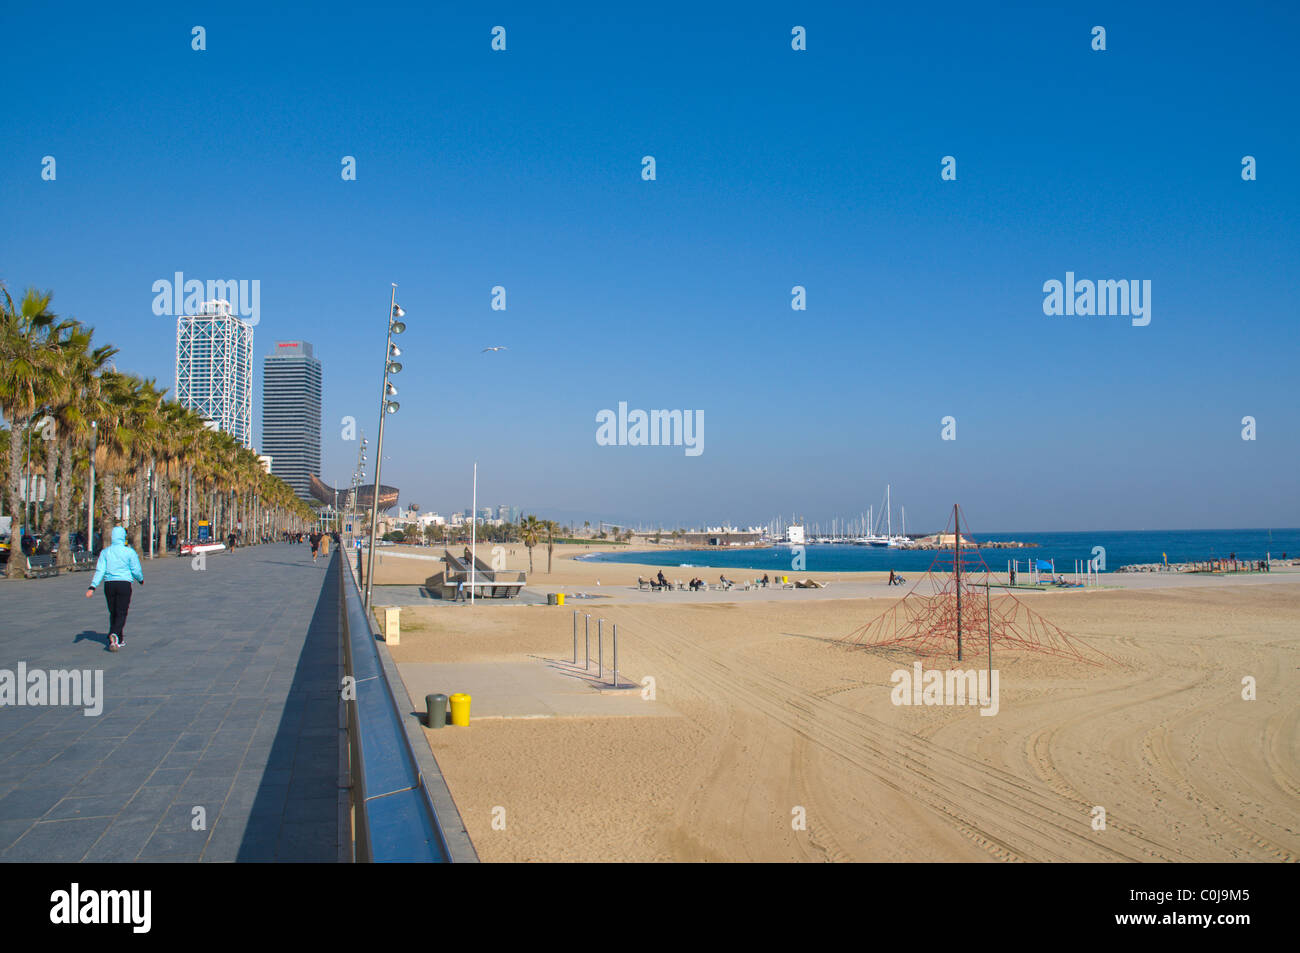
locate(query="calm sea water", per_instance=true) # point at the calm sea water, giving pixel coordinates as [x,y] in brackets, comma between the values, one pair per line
[1122,548]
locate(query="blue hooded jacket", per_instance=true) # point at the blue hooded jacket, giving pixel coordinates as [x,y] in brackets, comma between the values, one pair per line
[118,563]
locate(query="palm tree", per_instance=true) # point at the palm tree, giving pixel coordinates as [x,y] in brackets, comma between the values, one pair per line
[530,534]
[551,528]
[75,407]
[27,376]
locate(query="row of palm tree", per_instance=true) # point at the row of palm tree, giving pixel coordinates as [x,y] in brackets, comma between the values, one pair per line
[62,396]
[530,530]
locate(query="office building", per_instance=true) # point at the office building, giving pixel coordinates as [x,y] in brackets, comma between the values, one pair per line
[214,360]
[291,398]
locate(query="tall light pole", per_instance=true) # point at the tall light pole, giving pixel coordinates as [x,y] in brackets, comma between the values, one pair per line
[358,474]
[151,506]
[386,407]
[90,495]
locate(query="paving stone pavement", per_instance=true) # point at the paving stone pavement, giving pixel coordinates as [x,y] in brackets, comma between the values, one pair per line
[225,697]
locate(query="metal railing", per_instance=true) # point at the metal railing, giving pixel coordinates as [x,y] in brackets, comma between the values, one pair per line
[402,810]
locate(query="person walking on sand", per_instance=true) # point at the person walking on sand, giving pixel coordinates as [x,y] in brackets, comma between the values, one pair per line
[315,545]
[117,566]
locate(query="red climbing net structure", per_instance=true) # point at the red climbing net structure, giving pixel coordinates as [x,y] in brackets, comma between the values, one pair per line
[953,611]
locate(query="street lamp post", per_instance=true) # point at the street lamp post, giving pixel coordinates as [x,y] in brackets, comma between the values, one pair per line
[386,407]
[90,495]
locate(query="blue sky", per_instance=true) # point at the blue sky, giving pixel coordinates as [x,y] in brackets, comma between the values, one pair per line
[775,168]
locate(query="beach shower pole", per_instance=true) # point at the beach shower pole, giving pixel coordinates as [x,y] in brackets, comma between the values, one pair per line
[616,655]
[575,636]
[988,614]
[600,648]
[473,536]
[956,568]
[586,635]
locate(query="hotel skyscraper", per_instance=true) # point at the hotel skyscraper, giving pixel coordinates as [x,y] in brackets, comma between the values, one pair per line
[214,368]
[291,406]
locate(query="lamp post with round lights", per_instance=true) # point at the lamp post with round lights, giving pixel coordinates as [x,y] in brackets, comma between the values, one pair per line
[358,475]
[386,406]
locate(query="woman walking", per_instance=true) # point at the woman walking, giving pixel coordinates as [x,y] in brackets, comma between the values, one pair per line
[117,566]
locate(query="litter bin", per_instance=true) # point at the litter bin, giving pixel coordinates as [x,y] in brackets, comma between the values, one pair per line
[550,599]
[559,598]
[436,708]
[460,709]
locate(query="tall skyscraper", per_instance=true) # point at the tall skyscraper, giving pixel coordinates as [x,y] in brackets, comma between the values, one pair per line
[214,368]
[291,388]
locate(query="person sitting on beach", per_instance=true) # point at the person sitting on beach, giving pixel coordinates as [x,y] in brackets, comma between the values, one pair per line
[726,583]
[765,580]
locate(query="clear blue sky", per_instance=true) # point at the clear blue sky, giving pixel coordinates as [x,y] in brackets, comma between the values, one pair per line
[775,168]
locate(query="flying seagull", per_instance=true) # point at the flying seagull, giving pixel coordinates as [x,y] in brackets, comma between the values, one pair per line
[495,347]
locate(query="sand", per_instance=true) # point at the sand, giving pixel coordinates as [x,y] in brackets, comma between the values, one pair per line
[775,721]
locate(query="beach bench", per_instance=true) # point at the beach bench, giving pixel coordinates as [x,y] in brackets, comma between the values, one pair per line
[83,560]
[642,584]
[41,566]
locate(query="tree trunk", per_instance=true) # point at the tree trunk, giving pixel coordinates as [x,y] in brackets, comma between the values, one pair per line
[49,435]
[64,500]
[136,519]
[17,564]
[108,508]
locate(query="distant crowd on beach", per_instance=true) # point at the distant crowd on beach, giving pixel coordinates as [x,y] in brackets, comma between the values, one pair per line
[1229,564]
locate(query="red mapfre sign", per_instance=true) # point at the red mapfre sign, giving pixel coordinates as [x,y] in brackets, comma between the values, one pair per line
[288,343]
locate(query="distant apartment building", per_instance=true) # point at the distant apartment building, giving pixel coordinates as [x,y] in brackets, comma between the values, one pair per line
[214,361]
[291,408]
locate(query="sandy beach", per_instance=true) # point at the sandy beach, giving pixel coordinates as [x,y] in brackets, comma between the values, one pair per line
[766,719]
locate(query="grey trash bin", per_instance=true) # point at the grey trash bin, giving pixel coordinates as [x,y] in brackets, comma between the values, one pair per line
[435,707]
[550,599]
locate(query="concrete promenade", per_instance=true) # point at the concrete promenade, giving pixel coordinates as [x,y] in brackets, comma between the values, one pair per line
[225,698]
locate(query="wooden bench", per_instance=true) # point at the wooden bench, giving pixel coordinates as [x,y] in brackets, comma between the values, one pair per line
[41,566]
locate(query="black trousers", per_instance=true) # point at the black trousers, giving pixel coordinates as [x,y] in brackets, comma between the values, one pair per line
[118,597]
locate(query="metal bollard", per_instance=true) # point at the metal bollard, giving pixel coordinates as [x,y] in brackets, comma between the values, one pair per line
[600,648]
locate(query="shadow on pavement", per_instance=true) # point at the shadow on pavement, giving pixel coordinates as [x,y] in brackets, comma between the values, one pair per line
[295,813]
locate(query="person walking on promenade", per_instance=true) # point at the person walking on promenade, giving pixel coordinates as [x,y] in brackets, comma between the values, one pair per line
[117,566]
[315,545]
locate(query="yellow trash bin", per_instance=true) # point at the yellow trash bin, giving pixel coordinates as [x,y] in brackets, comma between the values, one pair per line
[559,598]
[784,580]
[460,709]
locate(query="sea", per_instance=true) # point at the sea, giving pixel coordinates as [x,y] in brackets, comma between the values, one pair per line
[1121,548]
